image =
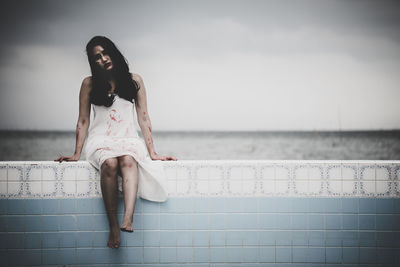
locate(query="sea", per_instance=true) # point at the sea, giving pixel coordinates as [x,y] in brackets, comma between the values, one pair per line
[305,145]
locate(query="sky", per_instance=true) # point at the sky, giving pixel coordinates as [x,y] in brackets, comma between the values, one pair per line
[210,65]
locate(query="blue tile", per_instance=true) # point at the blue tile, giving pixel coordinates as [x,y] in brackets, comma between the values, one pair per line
[233,238]
[151,238]
[67,206]
[49,223]
[385,256]
[167,255]
[98,205]
[266,205]
[350,255]
[138,206]
[267,238]
[250,254]
[50,240]
[33,223]
[300,254]
[168,238]
[283,254]
[333,205]
[3,241]
[299,221]
[3,206]
[350,239]
[234,254]
[67,222]
[385,222]
[350,205]
[16,206]
[315,222]
[237,221]
[333,238]
[151,222]
[299,238]
[384,206]
[316,205]
[200,221]
[33,206]
[367,239]
[237,205]
[201,205]
[184,238]
[184,254]
[284,205]
[84,206]
[84,256]
[66,239]
[350,222]
[218,254]
[316,255]
[283,221]
[135,240]
[267,254]
[217,222]
[15,223]
[283,238]
[134,254]
[300,205]
[4,223]
[150,206]
[84,222]
[267,221]
[200,238]
[50,256]
[385,239]
[83,239]
[33,240]
[174,205]
[217,238]
[32,257]
[396,222]
[250,238]
[316,238]
[333,222]
[368,255]
[250,205]
[15,240]
[218,205]
[167,221]
[100,239]
[67,255]
[396,205]
[333,255]
[200,255]
[367,206]
[366,222]
[183,221]
[49,206]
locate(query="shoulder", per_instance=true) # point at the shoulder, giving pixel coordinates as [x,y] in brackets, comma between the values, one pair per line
[137,78]
[86,84]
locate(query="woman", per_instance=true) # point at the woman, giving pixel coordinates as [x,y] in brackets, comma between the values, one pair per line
[113,145]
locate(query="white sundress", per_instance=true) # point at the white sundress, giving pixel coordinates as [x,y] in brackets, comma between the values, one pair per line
[113,133]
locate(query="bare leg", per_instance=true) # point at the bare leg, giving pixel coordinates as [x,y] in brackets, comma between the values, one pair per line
[129,170]
[109,185]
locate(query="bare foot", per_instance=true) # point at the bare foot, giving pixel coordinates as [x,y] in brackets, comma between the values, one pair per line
[114,239]
[126,225]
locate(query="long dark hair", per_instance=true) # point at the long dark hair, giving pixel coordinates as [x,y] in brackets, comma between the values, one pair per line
[125,87]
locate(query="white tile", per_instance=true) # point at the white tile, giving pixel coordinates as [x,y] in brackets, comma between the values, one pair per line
[170,173]
[281,187]
[349,172]
[80,187]
[14,174]
[335,186]
[3,172]
[35,188]
[268,187]
[183,186]
[235,173]
[268,173]
[235,186]
[215,173]
[302,186]
[69,174]
[215,187]
[348,187]
[282,173]
[34,174]
[314,187]
[334,173]
[382,187]
[83,174]
[315,173]
[48,187]
[382,173]
[368,187]
[202,187]
[249,187]
[182,173]
[301,173]
[3,188]
[14,188]
[367,173]
[171,187]
[248,173]
[49,174]
[202,173]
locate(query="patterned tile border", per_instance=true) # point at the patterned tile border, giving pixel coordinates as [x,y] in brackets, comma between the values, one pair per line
[217,178]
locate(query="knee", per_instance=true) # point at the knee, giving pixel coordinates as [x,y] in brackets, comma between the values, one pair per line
[110,165]
[127,162]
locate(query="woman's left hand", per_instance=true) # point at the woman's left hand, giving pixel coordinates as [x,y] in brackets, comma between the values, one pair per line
[155,156]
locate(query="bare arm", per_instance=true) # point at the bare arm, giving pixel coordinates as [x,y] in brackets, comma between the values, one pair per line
[83,120]
[144,120]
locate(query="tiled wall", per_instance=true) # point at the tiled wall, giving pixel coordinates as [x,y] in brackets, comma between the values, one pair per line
[220,213]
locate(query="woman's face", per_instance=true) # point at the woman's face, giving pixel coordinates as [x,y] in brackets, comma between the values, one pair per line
[102,58]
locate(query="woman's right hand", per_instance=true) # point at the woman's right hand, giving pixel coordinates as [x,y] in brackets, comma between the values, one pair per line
[74,157]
